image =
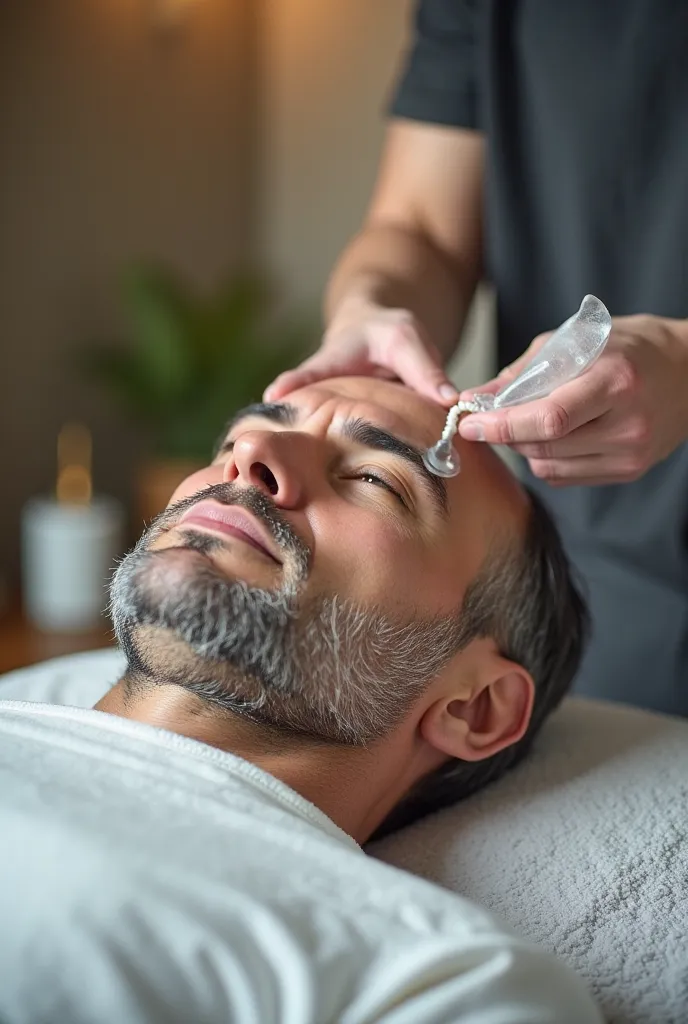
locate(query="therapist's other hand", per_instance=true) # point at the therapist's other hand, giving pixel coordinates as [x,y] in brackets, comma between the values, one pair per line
[623,415]
[370,340]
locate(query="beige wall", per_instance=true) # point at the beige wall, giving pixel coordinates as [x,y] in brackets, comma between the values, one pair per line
[328,70]
[115,142]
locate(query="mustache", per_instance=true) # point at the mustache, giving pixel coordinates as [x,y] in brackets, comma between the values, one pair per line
[250,498]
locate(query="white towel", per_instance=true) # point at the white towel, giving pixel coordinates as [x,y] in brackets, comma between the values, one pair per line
[584,849]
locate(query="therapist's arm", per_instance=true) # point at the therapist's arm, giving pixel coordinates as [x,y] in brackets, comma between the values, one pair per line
[398,296]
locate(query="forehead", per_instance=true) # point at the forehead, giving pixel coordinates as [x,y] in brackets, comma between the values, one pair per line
[392,406]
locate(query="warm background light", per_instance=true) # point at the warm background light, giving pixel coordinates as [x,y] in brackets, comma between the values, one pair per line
[74,453]
[170,13]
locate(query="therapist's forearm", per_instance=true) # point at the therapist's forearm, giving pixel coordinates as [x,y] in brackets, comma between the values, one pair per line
[396,267]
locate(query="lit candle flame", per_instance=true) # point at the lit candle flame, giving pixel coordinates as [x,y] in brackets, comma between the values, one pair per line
[74,449]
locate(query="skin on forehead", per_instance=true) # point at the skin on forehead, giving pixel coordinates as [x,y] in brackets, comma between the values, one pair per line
[485,487]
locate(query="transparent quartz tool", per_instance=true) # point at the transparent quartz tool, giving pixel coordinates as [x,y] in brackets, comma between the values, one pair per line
[571,350]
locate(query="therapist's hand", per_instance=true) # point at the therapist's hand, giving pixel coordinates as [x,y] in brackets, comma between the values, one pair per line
[624,414]
[372,341]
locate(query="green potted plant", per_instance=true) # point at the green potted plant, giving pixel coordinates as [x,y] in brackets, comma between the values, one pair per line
[191,360]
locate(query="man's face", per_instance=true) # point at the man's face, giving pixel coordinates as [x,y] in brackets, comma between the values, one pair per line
[312,576]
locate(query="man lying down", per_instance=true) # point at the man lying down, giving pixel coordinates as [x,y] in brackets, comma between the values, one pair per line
[323,641]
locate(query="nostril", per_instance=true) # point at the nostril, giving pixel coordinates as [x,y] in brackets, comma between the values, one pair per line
[267,477]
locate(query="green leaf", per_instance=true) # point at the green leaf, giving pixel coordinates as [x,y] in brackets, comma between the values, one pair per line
[119,371]
[194,359]
[161,314]
[235,313]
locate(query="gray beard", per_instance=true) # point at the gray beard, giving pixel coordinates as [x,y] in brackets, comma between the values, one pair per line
[323,667]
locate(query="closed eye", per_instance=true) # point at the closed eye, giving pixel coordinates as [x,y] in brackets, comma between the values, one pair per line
[365,476]
[226,448]
[378,481]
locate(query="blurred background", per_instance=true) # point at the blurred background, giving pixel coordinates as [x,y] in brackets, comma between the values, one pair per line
[173,173]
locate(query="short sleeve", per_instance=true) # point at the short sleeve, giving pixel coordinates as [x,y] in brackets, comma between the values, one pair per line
[438,82]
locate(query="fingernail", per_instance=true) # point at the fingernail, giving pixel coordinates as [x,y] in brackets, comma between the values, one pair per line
[472,431]
[447,391]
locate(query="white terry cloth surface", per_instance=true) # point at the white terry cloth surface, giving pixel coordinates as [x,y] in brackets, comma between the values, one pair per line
[583,848]
[146,877]
[79,680]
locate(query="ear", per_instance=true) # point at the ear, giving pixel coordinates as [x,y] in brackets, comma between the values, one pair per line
[477,718]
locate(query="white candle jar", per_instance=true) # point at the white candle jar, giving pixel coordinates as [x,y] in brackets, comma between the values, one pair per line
[68,552]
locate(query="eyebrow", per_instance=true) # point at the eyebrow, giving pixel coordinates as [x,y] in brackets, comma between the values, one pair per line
[360,431]
[371,436]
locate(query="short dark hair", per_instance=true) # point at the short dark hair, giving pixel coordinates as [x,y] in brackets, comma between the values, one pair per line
[530,605]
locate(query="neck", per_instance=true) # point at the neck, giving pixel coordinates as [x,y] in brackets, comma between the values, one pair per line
[354,786]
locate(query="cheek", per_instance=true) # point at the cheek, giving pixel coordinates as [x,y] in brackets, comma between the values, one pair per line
[372,561]
[196,482]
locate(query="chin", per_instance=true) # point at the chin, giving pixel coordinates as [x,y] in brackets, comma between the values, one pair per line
[180,598]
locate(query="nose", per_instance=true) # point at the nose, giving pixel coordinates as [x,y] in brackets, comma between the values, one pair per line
[270,461]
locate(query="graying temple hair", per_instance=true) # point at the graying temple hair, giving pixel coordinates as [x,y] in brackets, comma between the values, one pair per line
[531,606]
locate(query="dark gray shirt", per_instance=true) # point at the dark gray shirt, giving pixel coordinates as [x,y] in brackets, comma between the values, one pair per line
[584,107]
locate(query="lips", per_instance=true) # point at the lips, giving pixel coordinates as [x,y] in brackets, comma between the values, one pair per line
[232,520]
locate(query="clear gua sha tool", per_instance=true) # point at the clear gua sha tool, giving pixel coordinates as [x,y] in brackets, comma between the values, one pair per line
[571,350]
